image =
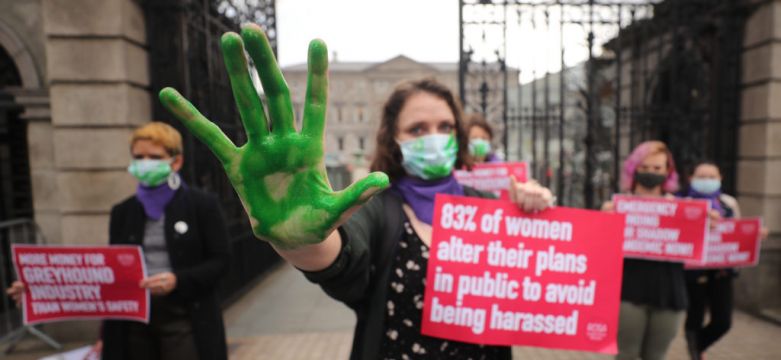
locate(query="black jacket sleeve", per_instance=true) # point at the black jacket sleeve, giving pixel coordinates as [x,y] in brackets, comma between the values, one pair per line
[194,281]
[348,278]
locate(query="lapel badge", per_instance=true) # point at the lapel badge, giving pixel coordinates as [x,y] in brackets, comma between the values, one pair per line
[181,227]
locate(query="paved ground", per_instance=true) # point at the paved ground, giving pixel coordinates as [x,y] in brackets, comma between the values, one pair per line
[286,317]
[320,328]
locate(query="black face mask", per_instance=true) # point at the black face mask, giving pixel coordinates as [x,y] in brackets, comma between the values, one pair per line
[649,180]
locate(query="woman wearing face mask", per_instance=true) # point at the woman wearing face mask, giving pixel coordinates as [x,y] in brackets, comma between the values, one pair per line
[184,239]
[369,252]
[711,289]
[185,247]
[480,137]
[653,293]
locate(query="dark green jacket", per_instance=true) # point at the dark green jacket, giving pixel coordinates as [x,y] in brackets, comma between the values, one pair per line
[359,275]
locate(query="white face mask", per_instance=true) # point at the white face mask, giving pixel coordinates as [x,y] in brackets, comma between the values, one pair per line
[706,186]
[429,157]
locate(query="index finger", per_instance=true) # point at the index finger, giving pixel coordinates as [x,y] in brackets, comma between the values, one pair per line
[202,128]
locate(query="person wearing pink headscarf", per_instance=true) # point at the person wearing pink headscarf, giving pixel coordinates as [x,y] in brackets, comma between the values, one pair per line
[653,293]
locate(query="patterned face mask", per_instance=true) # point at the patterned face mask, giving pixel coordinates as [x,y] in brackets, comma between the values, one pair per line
[479,147]
[429,157]
[150,172]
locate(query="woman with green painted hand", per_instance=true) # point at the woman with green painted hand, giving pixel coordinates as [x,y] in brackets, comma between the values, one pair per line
[370,252]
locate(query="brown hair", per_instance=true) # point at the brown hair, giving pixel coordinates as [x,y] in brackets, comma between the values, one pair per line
[387,155]
[161,134]
[478,120]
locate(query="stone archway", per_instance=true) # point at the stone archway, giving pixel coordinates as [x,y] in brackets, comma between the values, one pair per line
[22,58]
[27,123]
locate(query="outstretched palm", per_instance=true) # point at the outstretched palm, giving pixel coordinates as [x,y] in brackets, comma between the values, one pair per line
[279,173]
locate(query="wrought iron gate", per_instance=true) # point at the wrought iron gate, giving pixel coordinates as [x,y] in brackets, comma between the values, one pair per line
[618,73]
[184,51]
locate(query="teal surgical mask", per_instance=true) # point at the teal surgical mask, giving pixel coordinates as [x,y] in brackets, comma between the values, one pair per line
[479,147]
[706,186]
[429,157]
[150,172]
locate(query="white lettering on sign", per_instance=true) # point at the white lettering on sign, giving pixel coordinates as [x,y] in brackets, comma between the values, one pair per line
[647,207]
[554,261]
[456,251]
[65,292]
[533,323]
[538,228]
[508,257]
[458,315]
[72,275]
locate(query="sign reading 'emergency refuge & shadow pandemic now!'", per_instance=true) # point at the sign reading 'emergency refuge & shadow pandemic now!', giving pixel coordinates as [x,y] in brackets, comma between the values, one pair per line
[664,229]
[80,282]
[499,276]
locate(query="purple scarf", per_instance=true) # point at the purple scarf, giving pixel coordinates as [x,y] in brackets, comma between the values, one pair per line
[492,158]
[419,194]
[715,203]
[155,199]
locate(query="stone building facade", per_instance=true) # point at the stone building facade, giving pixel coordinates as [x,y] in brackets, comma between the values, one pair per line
[357,92]
[759,154]
[84,85]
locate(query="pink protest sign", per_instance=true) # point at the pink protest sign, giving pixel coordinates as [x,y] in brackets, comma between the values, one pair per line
[499,276]
[493,177]
[664,229]
[731,243]
[79,282]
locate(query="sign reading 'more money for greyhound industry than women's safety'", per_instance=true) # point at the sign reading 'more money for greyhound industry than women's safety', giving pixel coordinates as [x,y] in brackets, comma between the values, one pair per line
[80,282]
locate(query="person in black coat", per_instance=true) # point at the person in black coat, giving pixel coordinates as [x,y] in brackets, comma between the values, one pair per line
[184,238]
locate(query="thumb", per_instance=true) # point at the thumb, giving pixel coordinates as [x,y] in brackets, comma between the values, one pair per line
[362,190]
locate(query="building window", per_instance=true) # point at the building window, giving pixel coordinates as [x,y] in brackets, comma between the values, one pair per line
[360,143]
[341,143]
[360,114]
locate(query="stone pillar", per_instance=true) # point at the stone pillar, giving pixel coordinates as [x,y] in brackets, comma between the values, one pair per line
[759,159]
[98,77]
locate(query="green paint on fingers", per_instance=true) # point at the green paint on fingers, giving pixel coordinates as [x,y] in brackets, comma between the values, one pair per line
[279,175]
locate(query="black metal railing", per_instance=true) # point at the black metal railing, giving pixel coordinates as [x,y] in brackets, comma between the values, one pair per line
[666,70]
[183,38]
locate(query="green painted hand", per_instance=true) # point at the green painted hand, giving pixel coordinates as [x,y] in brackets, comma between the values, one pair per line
[279,173]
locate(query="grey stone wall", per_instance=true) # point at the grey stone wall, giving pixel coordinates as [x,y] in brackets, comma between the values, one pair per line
[759,165]
[98,74]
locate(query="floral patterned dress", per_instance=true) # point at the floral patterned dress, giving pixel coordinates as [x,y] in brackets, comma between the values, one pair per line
[404,311]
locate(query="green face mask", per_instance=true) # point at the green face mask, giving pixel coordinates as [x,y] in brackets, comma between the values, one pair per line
[479,147]
[150,172]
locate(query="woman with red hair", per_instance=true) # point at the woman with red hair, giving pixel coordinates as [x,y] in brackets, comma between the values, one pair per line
[653,293]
